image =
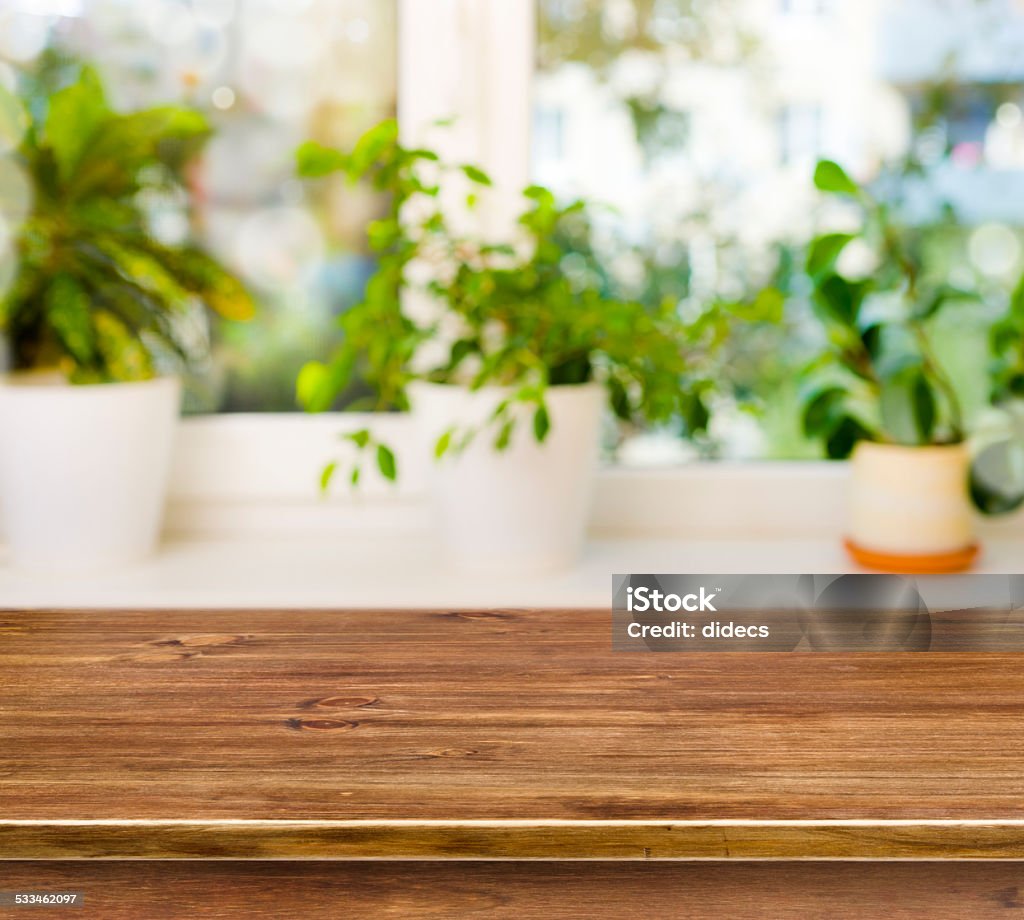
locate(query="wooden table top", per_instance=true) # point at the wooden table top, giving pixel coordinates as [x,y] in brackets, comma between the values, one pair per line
[498,733]
[520,890]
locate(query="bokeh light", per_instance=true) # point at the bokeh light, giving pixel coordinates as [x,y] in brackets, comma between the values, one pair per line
[995,250]
[223,98]
[1008,115]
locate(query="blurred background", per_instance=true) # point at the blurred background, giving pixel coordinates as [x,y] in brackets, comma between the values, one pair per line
[698,122]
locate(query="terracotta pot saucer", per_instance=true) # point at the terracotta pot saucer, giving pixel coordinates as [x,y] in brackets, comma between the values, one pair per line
[933,564]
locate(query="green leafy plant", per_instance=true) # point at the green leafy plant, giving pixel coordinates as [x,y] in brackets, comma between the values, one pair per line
[878,378]
[94,294]
[997,475]
[1008,350]
[519,313]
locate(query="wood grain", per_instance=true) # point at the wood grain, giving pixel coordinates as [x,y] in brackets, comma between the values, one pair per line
[524,891]
[353,734]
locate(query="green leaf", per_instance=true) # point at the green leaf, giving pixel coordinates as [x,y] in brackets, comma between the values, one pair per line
[461,350]
[871,337]
[138,309]
[145,270]
[1017,302]
[68,310]
[925,409]
[908,406]
[173,134]
[371,146]
[840,300]
[822,411]
[767,307]
[477,175]
[844,437]
[997,477]
[130,145]
[75,116]
[619,399]
[1005,336]
[360,438]
[309,387]
[326,475]
[420,153]
[202,276]
[314,161]
[901,362]
[539,193]
[443,444]
[500,410]
[124,357]
[541,423]
[938,298]
[386,463]
[504,438]
[824,251]
[829,176]
[383,234]
[694,413]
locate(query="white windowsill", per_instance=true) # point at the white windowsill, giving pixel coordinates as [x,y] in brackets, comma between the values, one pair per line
[246,528]
[405,571]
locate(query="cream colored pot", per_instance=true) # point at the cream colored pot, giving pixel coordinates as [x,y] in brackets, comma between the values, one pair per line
[910,501]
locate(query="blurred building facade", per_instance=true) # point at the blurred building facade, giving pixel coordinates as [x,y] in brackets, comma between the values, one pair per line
[864,82]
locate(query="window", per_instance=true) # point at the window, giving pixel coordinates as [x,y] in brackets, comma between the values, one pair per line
[269,74]
[701,123]
[697,121]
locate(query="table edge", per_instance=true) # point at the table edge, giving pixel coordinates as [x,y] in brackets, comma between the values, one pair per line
[727,839]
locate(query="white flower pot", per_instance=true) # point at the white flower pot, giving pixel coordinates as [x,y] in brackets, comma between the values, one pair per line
[910,509]
[84,470]
[521,510]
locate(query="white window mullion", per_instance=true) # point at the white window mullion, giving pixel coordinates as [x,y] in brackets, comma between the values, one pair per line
[471,60]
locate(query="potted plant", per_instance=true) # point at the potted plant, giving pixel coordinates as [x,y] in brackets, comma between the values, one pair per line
[880,394]
[507,353]
[97,313]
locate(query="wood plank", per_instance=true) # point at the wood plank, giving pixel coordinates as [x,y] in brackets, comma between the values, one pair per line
[522,891]
[353,734]
[495,839]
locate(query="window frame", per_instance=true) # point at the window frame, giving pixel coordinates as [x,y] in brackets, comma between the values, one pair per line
[236,475]
[444,73]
